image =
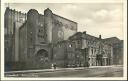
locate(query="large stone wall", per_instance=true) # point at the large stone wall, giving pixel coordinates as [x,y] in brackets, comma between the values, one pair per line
[65,28]
[57,27]
[64,54]
[23,43]
[12,21]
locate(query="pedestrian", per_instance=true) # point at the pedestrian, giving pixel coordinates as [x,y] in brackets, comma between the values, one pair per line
[54,66]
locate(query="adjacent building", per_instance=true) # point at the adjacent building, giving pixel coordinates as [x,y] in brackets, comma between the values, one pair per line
[117,45]
[93,49]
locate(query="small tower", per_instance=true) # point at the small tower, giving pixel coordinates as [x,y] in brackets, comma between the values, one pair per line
[48,24]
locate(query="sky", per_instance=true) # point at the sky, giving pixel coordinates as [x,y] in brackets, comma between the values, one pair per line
[96,19]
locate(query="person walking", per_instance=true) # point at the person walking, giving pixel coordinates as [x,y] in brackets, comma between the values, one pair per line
[54,66]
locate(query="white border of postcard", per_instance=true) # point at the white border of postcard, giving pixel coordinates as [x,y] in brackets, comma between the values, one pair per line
[66,1]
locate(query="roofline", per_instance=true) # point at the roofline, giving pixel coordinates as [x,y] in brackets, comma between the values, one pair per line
[110,38]
[65,18]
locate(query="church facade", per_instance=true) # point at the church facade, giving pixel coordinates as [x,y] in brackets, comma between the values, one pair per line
[38,35]
[36,41]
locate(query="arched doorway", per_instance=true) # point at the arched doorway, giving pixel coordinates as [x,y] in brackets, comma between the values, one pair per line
[42,57]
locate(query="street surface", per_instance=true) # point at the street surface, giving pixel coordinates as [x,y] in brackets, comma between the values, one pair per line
[94,71]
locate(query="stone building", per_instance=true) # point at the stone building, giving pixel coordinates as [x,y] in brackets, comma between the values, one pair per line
[93,49]
[39,34]
[13,20]
[34,41]
[117,45]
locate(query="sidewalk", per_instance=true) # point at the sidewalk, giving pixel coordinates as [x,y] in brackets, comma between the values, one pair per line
[106,66]
[44,70]
[53,70]
[31,71]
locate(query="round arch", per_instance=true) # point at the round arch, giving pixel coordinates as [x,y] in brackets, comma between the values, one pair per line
[42,56]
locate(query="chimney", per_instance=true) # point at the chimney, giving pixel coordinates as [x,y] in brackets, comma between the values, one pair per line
[99,36]
[84,32]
